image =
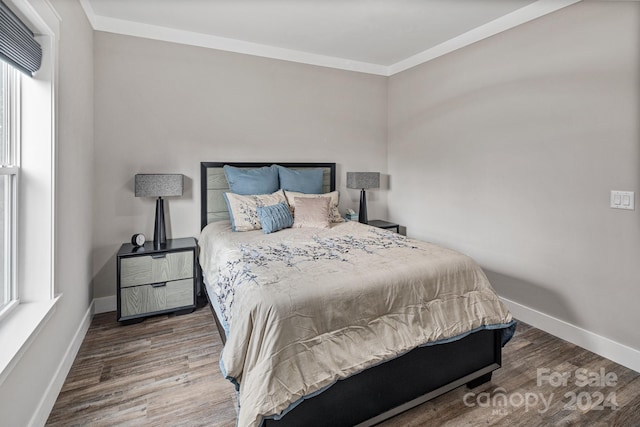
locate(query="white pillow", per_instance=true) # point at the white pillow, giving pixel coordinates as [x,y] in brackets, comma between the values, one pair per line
[243,210]
[312,212]
[334,213]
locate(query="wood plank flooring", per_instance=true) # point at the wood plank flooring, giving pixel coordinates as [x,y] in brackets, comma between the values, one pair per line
[164,372]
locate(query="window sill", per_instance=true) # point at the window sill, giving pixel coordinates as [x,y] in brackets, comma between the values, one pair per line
[19,329]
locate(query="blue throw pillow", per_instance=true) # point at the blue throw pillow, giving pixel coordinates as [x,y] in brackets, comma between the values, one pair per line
[252,181]
[307,181]
[275,217]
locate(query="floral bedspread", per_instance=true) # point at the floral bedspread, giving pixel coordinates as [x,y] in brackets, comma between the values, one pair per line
[303,308]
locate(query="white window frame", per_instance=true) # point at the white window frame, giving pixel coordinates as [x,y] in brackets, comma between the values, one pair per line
[35,247]
[12,108]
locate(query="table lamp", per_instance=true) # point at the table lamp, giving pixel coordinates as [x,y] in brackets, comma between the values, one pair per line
[159,185]
[363,180]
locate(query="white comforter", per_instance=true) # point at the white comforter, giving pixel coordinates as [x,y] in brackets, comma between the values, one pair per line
[306,307]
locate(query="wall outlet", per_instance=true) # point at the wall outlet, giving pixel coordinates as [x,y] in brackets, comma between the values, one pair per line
[623,200]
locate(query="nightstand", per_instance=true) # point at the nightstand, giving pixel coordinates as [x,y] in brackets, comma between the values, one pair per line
[154,281]
[384,224]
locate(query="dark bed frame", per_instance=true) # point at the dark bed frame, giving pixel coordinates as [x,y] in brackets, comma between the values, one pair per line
[385,390]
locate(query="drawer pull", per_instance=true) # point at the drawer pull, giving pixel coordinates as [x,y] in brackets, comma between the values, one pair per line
[158,285]
[158,256]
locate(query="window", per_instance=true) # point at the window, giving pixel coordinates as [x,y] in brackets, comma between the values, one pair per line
[27,175]
[9,172]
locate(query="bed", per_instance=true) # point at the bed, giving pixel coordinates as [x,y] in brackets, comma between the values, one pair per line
[344,325]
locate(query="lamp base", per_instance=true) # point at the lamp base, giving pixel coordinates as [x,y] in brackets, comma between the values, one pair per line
[362,215]
[159,233]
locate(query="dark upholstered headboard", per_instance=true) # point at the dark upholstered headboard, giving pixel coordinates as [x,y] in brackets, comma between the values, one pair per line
[213,184]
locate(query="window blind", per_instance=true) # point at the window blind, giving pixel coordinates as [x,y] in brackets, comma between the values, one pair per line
[17,43]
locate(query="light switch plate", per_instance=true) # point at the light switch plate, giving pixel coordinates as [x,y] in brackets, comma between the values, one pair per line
[623,200]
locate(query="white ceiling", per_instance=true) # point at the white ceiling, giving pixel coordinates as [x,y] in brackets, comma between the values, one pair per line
[373,36]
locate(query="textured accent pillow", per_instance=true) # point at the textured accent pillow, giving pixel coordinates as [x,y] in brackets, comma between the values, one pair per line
[301,180]
[252,181]
[274,217]
[243,209]
[312,212]
[334,213]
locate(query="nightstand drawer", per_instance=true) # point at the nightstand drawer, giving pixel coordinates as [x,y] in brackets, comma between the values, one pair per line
[163,267]
[380,223]
[156,297]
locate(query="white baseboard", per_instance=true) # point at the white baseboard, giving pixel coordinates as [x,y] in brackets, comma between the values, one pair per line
[605,347]
[45,406]
[105,304]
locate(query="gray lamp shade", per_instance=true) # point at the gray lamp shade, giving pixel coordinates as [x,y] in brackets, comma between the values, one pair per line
[159,185]
[363,180]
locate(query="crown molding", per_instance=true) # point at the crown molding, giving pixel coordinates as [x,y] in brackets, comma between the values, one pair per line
[136,29]
[504,23]
[497,26]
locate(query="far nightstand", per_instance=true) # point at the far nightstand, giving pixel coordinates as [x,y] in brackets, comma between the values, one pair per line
[154,281]
[384,224]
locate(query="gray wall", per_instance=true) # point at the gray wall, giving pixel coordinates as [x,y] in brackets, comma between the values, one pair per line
[26,385]
[508,149]
[163,107]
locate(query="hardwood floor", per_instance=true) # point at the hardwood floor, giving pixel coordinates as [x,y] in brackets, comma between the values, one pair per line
[161,372]
[164,372]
